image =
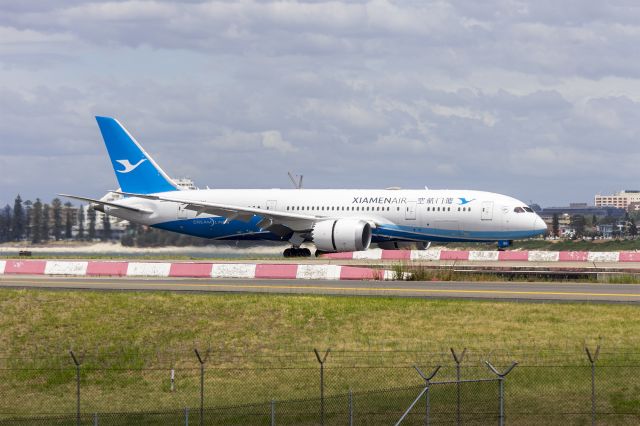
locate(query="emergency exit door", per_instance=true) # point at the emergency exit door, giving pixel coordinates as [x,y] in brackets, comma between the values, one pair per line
[410,210]
[487,210]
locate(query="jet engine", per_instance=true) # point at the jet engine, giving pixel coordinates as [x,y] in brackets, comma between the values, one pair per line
[342,235]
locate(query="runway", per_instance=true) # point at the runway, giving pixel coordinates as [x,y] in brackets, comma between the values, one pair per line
[521,291]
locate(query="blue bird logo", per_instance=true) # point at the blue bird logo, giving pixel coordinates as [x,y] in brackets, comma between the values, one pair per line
[464,201]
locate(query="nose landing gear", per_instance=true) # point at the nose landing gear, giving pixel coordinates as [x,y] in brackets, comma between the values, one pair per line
[504,244]
[297,252]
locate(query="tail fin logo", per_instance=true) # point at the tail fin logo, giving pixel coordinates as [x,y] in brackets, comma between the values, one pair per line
[128,167]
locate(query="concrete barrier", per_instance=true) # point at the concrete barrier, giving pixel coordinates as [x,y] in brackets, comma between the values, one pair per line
[373,254]
[454,255]
[107,269]
[483,256]
[573,256]
[629,256]
[285,271]
[27,267]
[319,272]
[148,269]
[489,256]
[425,254]
[65,268]
[544,256]
[193,270]
[603,256]
[233,270]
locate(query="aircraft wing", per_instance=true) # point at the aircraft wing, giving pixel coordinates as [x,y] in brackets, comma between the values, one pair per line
[293,221]
[107,203]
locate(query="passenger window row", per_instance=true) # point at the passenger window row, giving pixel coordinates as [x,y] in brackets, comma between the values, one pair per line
[337,208]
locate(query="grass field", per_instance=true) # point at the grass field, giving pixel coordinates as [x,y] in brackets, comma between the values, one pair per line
[262,346]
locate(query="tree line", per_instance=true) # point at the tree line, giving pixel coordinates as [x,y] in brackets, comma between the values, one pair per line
[39,222]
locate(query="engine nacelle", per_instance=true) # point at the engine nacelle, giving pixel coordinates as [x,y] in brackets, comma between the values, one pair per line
[342,235]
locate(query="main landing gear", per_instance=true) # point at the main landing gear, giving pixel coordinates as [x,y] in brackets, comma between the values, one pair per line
[297,252]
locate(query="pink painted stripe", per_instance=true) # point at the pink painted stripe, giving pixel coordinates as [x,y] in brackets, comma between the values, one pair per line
[454,255]
[573,256]
[107,268]
[197,270]
[276,271]
[629,256]
[513,255]
[343,255]
[354,273]
[396,254]
[25,267]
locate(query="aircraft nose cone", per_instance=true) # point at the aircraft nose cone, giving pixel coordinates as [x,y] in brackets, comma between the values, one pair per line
[539,224]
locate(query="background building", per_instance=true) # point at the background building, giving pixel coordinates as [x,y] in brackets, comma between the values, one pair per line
[621,199]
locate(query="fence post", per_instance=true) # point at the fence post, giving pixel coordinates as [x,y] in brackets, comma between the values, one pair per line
[186,416]
[501,377]
[77,361]
[173,378]
[458,360]
[273,412]
[592,359]
[321,360]
[95,419]
[350,408]
[202,361]
[427,383]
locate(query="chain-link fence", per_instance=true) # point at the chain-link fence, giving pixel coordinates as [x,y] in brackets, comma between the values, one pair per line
[347,387]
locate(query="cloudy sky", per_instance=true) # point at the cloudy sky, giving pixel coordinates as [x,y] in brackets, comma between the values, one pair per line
[539,100]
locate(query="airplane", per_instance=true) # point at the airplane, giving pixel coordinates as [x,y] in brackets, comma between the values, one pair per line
[334,220]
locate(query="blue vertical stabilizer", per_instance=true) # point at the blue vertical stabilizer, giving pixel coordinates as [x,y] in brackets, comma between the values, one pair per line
[135,169]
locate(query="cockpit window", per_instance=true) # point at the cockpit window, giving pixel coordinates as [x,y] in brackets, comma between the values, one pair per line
[518,210]
[528,209]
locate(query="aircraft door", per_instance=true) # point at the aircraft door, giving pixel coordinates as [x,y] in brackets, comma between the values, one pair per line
[272,204]
[410,210]
[487,210]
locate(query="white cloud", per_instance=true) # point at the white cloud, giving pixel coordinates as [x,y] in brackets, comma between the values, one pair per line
[272,139]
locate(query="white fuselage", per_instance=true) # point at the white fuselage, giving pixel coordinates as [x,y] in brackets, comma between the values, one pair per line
[400,215]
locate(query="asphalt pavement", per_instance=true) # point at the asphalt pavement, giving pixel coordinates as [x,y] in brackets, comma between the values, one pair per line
[525,291]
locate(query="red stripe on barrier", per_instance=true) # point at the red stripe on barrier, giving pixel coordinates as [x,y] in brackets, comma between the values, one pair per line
[25,267]
[396,254]
[196,270]
[118,269]
[629,256]
[573,256]
[513,255]
[276,271]
[354,273]
[343,255]
[454,255]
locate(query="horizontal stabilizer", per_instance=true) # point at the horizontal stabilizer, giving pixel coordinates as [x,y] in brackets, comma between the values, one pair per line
[106,203]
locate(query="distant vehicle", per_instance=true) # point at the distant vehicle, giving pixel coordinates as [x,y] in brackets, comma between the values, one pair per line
[334,220]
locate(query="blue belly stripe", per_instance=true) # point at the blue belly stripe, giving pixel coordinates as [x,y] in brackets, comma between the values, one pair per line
[215,228]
